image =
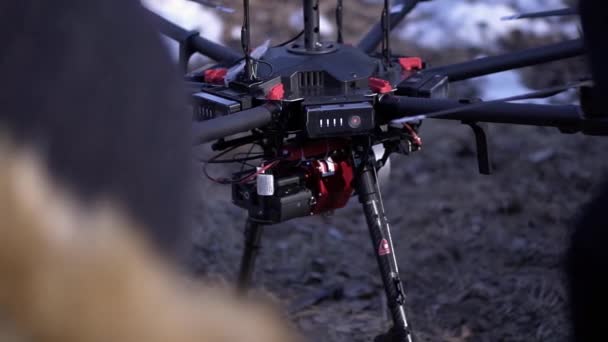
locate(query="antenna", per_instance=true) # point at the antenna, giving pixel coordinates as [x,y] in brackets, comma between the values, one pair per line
[246,41]
[312,34]
[386,31]
[339,19]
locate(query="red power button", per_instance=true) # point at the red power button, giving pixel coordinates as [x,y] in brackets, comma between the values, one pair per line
[354,121]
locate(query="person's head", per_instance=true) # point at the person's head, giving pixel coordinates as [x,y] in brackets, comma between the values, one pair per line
[91,85]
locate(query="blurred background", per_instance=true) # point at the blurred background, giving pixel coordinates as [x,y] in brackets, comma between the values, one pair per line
[481,256]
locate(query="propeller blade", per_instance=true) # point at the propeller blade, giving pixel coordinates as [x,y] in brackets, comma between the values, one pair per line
[397,13]
[544,14]
[539,94]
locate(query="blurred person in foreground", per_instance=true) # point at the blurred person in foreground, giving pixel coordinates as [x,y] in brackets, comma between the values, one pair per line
[94,185]
[588,250]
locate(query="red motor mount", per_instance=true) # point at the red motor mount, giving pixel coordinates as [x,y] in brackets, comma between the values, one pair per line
[329,172]
[332,183]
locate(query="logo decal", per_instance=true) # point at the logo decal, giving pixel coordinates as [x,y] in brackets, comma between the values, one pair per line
[384,248]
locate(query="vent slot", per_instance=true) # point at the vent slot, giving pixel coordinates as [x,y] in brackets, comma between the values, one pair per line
[204,112]
[308,79]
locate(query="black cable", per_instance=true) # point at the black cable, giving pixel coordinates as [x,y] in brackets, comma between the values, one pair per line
[214,159]
[233,160]
[206,163]
[291,40]
[243,164]
[227,181]
[268,64]
[257,61]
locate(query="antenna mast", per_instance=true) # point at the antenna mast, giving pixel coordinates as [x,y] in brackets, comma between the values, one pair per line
[386,32]
[312,34]
[246,41]
[339,19]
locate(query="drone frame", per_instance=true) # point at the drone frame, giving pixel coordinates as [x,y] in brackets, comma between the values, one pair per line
[567,118]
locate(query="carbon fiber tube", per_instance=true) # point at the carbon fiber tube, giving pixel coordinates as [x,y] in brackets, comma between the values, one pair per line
[382,244]
[312,35]
[519,59]
[201,45]
[209,130]
[545,14]
[253,236]
[393,107]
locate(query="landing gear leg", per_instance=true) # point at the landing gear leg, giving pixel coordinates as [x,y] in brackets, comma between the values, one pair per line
[253,235]
[369,196]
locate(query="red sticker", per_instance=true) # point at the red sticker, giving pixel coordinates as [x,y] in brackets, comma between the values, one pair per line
[276,93]
[384,248]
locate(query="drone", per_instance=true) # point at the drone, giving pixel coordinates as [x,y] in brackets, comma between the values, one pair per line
[328,115]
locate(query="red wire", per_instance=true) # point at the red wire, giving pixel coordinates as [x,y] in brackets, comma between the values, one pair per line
[222,181]
[415,136]
[261,170]
[225,181]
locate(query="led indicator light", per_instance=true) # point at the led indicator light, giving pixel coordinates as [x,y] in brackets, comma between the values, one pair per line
[354,121]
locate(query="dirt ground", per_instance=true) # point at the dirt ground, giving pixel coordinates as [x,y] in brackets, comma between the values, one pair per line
[481,257]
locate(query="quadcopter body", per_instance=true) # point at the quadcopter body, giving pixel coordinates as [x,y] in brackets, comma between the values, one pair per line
[320,104]
[327,116]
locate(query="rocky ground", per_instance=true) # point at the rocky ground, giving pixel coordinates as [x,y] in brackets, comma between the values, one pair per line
[481,257]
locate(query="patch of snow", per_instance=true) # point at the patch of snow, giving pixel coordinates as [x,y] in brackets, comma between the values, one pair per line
[531,5]
[571,30]
[509,83]
[327,27]
[442,23]
[501,85]
[235,32]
